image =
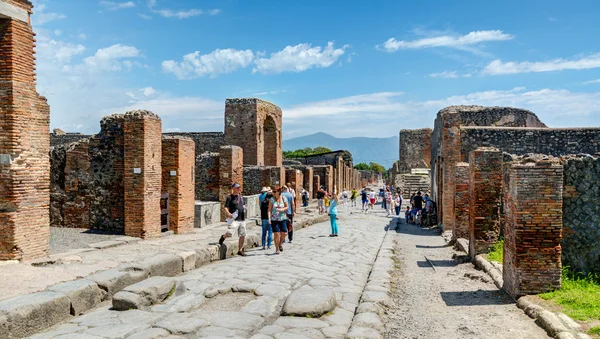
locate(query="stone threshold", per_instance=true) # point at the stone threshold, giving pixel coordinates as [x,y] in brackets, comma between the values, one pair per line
[27,314]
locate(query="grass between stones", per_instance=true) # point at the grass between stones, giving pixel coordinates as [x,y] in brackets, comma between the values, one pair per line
[579,298]
[497,253]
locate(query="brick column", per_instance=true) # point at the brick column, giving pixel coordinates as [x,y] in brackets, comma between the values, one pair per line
[533,228]
[231,169]
[461,201]
[142,174]
[451,154]
[316,185]
[307,174]
[24,143]
[295,177]
[178,160]
[485,188]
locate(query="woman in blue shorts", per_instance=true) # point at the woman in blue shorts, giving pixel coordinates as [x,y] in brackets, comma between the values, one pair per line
[278,207]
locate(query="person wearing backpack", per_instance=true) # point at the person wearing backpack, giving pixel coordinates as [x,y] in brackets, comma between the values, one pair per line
[235,211]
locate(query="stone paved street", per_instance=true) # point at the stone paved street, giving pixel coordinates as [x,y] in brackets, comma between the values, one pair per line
[244,296]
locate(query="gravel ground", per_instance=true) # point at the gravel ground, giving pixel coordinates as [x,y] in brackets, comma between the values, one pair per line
[453,301]
[64,239]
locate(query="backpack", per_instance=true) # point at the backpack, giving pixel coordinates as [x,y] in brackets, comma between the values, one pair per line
[345,195]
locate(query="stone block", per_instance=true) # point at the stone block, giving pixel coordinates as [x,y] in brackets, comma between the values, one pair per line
[167,265]
[113,280]
[309,302]
[189,260]
[83,294]
[144,293]
[106,244]
[206,213]
[123,301]
[28,314]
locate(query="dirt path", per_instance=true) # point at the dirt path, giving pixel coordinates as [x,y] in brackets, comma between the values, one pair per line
[453,301]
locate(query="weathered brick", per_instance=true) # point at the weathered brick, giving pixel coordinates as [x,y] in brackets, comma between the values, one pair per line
[231,159]
[461,201]
[178,180]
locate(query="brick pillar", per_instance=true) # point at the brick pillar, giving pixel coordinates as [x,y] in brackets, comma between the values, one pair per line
[142,178]
[231,169]
[485,188]
[461,201]
[295,178]
[451,154]
[24,142]
[307,174]
[533,228]
[178,162]
[316,185]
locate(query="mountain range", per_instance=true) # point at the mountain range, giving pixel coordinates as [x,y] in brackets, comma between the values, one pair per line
[383,151]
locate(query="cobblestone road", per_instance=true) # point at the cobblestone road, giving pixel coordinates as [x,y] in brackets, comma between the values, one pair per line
[243,296]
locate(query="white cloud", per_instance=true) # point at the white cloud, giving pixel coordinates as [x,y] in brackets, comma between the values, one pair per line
[592,82]
[111,58]
[57,32]
[167,13]
[498,67]
[82,36]
[114,6]
[148,91]
[41,16]
[444,74]
[214,11]
[476,37]
[220,61]
[299,58]
[383,114]
[144,16]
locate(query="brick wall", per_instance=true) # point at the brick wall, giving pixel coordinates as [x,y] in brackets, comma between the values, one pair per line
[142,174]
[325,172]
[295,178]
[255,125]
[461,201]
[485,189]
[415,149]
[231,162]
[533,228]
[204,141]
[178,180]
[316,186]
[25,138]
[451,151]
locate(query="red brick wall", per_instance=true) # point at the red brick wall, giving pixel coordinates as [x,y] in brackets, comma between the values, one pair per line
[231,169]
[461,201]
[485,189]
[295,178]
[533,228]
[24,122]
[316,186]
[143,148]
[178,180]
[307,183]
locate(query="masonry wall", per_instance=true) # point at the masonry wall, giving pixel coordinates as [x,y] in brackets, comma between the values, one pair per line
[178,180]
[62,139]
[231,170]
[24,146]
[485,189]
[142,174]
[203,141]
[207,177]
[415,149]
[271,176]
[255,125]
[330,158]
[294,177]
[533,228]
[581,214]
[252,180]
[325,174]
[461,201]
[519,141]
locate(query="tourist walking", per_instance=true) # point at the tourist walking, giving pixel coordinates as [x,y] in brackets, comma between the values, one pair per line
[235,211]
[364,199]
[345,199]
[389,203]
[290,213]
[398,202]
[333,215]
[278,208]
[385,198]
[417,201]
[372,199]
[321,200]
[353,196]
[267,229]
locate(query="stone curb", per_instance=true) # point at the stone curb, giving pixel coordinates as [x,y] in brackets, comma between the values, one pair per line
[557,325]
[367,322]
[28,314]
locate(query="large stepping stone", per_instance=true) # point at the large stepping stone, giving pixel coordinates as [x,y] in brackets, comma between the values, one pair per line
[309,302]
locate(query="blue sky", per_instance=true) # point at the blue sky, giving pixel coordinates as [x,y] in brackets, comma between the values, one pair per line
[348,68]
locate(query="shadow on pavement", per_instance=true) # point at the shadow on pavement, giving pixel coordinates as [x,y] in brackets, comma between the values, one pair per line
[476,298]
[426,246]
[437,263]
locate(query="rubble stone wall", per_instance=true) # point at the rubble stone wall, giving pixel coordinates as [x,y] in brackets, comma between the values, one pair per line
[62,139]
[252,180]
[207,177]
[415,149]
[203,141]
[581,214]
[519,141]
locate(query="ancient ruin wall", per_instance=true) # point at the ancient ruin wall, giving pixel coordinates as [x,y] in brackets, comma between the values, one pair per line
[252,180]
[255,125]
[63,139]
[581,214]
[24,144]
[415,149]
[207,177]
[519,141]
[204,141]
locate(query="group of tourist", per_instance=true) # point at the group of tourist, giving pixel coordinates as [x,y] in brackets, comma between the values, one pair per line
[416,213]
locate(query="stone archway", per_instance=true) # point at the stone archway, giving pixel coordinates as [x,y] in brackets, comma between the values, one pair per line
[271,141]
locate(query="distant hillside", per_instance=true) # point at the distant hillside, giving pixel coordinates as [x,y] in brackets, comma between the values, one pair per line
[383,151]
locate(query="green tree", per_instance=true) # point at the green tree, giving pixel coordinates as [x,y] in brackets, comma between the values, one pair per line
[375,167]
[362,167]
[305,152]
